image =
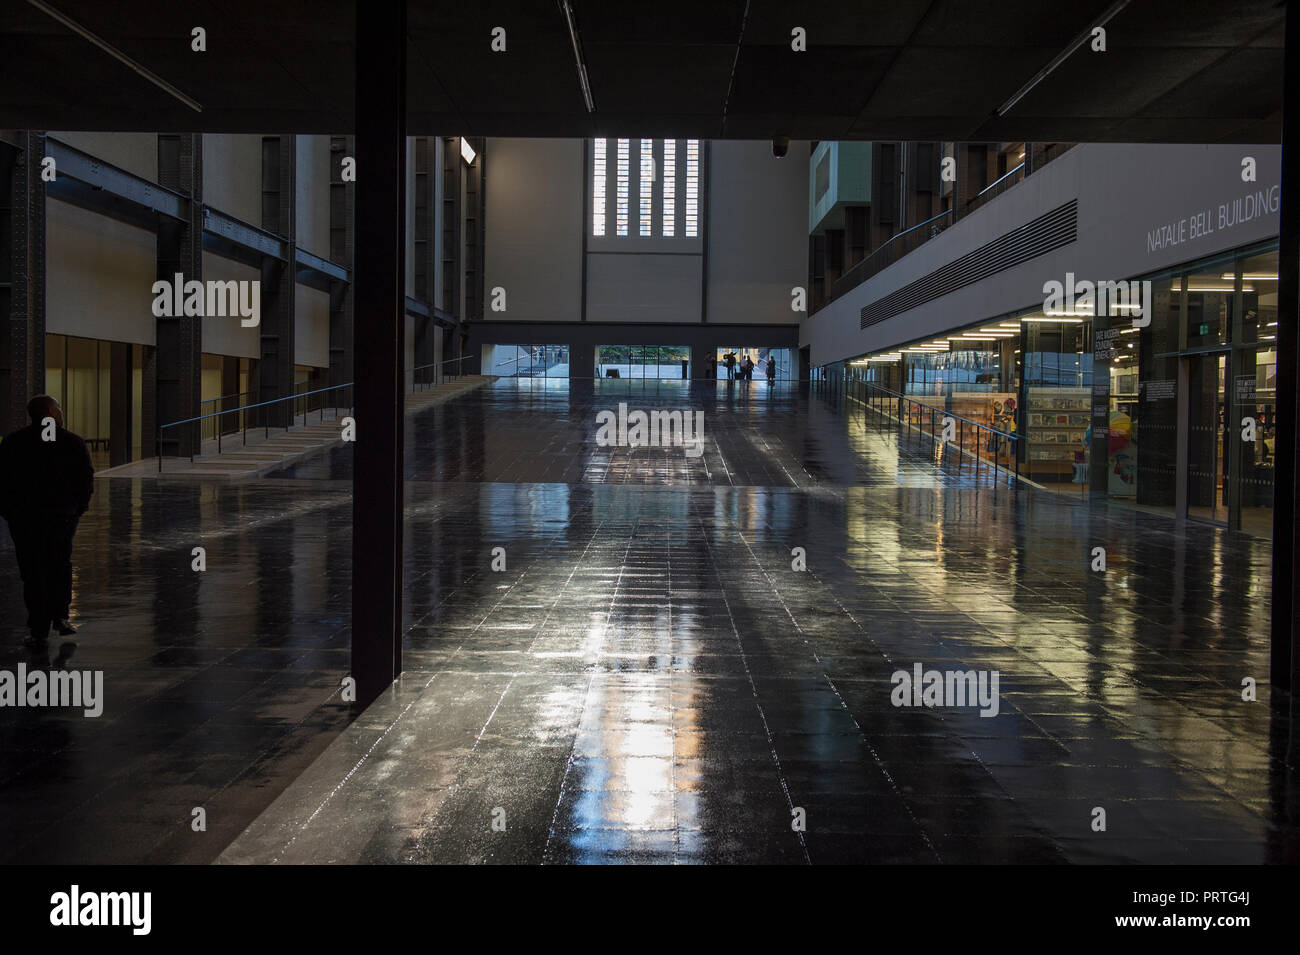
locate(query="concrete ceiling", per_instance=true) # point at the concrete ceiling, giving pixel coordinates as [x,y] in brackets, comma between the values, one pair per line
[1186,71]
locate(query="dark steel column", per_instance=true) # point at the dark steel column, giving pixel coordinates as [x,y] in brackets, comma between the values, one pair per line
[22,276]
[379,290]
[275,369]
[342,244]
[1285,534]
[178,362]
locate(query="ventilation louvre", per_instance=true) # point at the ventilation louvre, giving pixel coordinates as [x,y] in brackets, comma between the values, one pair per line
[1049,231]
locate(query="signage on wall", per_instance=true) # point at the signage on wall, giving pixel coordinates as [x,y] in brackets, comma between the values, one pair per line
[1203,223]
[1105,345]
[1245,390]
[1159,389]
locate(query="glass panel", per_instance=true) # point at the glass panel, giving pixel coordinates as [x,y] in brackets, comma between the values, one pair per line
[1258,299]
[1154,416]
[1209,297]
[623,173]
[645,220]
[1125,460]
[137,402]
[598,188]
[692,187]
[79,411]
[1255,392]
[104,403]
[1058,392]
[670,188]
[56,360]
[671,359]
[1256,397]
[1205,437]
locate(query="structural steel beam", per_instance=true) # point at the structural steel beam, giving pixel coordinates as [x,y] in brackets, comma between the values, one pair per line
[260,242]
[86,181]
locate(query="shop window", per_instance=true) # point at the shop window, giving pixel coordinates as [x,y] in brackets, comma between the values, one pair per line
[1259,277]
[1255,392]
[1058,384]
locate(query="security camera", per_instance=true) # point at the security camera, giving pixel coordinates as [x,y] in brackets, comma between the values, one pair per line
[780,146]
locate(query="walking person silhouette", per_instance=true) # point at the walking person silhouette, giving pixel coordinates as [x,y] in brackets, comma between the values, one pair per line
[46,481]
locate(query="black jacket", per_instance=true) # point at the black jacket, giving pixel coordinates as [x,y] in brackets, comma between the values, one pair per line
[42,479]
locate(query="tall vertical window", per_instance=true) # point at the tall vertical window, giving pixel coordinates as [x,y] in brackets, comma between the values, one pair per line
[622,209]
[652,217]
[598,188]
[647,185]
[692,187]
[670,187]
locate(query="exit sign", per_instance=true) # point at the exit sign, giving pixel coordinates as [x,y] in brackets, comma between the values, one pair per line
[1205,330]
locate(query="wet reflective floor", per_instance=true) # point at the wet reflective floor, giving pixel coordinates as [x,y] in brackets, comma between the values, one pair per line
[671,659]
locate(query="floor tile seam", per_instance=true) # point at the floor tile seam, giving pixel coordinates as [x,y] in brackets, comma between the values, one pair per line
[771,743]
[582,713]
[351,772]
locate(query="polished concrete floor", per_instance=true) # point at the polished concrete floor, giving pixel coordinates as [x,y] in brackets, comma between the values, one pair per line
[648,678]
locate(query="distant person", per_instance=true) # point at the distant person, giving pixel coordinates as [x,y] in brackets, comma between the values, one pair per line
[749,368]
[771,370]
[712,367]
[730,359]
[46,480]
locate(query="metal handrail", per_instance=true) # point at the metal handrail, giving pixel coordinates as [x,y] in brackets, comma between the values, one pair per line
[847,387]
[238,394]
[260,404]
[995,182]
[437,364]
[216,430]
[917,401]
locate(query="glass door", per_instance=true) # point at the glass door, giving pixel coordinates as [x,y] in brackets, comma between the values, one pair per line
[1207,437]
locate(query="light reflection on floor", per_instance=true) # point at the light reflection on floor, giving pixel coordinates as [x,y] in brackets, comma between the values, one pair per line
[649,679]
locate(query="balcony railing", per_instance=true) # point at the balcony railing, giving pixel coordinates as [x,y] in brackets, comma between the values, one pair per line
[910,239]
[889,252]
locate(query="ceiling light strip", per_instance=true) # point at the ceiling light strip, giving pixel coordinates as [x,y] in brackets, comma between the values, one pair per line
[117,54]
[1061,57]
[577,56]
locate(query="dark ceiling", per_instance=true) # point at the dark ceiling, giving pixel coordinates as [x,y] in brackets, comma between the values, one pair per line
[1191,71]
